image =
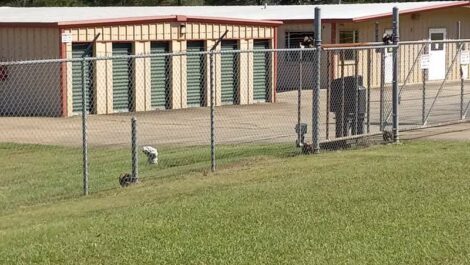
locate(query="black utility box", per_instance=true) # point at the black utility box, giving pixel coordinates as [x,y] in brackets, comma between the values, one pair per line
[349,107]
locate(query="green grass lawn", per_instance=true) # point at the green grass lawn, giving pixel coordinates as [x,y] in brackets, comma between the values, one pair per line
[395,204]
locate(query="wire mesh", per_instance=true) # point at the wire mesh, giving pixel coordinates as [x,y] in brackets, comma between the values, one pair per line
[261,96]
[432,86]
[35,140]
[357,94]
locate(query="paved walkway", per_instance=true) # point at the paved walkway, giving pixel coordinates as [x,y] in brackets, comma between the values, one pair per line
[454,132]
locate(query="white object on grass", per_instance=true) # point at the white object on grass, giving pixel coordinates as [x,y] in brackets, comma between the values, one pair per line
[151,153]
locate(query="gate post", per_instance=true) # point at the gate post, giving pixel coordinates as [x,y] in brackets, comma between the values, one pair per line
[396,39]
[423,105]
[316,90]
[299,102]
[462,81]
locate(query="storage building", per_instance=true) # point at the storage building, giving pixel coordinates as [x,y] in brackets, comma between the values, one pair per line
[180,82]
[132,84]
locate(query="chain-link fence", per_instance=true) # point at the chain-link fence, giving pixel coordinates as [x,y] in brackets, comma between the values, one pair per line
[433,81]
[206,101]
[356,94]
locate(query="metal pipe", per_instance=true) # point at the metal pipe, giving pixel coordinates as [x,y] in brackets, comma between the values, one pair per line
[369,58]
[371,47]
[316,90]
[135,156]
[84,130]
[423,109]
[212,92]
[84,116]
[343,108]
[212,97]
[299,102]
[356,94]
[396,39]
[459,28]
[434,41]
[382,86]
[328,95]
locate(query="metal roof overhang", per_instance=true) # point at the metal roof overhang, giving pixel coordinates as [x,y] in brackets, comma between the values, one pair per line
[140,20]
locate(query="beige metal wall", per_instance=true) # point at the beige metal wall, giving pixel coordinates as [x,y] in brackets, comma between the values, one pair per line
[30,89]
[413,27]
[141,37]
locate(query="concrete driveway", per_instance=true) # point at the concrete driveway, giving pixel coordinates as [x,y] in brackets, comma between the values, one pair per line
[263,122]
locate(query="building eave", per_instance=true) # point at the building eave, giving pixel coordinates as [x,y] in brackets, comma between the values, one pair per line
[413,10]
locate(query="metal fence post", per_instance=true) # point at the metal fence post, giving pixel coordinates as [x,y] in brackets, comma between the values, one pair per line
[84,129]
[382,87]
[328,95]
[354,129]
[299,102]
[341,132]
[423,108]
[84,116]
[462,93]
[212,92]
[369,77]
[316,90]
[396,39]
[135,156]
[462,81]
[212,96]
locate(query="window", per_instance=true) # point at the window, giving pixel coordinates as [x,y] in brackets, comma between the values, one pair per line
[293,40]
[437,46]
[349,36]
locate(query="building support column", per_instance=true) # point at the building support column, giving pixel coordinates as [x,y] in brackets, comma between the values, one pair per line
[178,76]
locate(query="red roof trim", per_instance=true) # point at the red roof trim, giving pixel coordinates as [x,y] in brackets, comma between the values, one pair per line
[235,21]
[116,21]
[309,21]
[150,19]
[413,10]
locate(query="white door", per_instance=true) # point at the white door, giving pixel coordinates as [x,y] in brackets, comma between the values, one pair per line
[388,61]
[437,55]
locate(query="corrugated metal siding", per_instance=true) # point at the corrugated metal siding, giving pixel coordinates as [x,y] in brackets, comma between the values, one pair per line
[77,51]
[195,74]
[229,72]
[416,28]
[261,64]
[160,76]
[122,78]
[37,88]
[170,31]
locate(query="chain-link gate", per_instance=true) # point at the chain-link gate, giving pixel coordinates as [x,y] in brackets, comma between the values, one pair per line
[433,83]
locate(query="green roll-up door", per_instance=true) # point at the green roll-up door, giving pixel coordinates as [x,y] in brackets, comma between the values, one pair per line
[77,52]
[229,72]
[160,76]
[122,77]
[195,74]
[261,64]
